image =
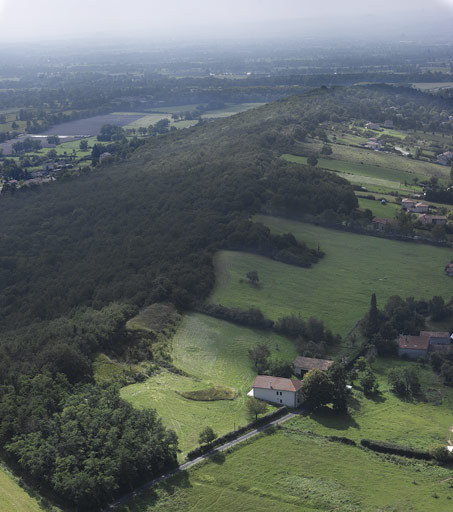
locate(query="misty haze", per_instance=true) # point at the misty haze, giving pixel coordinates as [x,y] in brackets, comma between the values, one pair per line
[226,256]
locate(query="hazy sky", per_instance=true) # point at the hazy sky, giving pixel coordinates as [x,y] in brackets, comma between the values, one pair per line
[48,19]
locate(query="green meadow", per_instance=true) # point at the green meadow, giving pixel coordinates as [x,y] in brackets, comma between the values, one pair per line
[211,353]
[292,470]
[338,288]
[13,498]
[350,168]
[383,211]
[385,417]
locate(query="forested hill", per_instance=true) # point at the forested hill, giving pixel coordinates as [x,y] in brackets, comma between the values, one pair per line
[78,257]
[138,230]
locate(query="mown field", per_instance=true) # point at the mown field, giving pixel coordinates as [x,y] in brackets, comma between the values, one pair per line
[385,417]
[211,352]
[338,288]
[13,498]
[383,211]
[388,171]
[292,470]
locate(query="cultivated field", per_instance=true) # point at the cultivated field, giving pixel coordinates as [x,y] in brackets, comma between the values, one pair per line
[211,352]
[338,288]
[13,497]
[292,470]
[92,125]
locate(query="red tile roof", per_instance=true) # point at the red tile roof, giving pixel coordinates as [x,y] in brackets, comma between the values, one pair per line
[435,334]
[277,383]
[377,220]
[310,363]
[413,342]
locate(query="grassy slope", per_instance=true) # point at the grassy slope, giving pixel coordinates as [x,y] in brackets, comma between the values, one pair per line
[339,287]
[212,352]
[418,424]
[13,497]
[383,211]
[292,471]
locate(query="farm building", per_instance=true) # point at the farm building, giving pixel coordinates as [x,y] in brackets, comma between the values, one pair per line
[304,364]
[420,346]
[388,123]
[372,126]
[426,218]
[277,390]
[449,269]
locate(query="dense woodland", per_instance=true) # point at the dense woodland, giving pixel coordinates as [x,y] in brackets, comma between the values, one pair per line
[78,257]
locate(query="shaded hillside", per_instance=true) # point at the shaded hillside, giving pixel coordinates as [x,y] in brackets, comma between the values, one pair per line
[139,230]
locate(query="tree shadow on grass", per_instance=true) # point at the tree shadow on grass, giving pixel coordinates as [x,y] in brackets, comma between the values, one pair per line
[378,397]
[218,458]
[335,420]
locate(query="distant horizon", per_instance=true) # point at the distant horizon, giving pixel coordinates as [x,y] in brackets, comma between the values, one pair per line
[50,21]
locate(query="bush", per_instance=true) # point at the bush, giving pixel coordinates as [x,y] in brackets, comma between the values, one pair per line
[440,453]
[394,449]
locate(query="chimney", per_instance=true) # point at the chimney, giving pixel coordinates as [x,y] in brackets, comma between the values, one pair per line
[270,384]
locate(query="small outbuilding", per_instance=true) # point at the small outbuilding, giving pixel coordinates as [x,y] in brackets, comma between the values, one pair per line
[303,365]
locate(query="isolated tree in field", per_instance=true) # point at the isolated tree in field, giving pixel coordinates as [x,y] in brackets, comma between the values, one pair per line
[373,318]
[317,389]
[312,160]
[53,139]
[255,407]
[326,150]
[252,276]
[259,355]
[83,145]
[368,381]
[207,435]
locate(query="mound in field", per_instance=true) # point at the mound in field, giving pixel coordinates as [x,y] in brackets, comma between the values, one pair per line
[211,394]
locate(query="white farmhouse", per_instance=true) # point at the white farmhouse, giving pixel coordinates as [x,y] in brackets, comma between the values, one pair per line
[277,390]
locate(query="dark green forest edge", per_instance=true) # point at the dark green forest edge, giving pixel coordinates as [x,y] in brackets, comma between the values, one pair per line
[79,257]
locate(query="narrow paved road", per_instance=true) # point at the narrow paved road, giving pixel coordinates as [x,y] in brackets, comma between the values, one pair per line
[149,485]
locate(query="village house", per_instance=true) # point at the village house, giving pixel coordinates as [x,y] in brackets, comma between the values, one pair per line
[277,390]
[445,158]
[372,126]
[420,208]
[426,218]
[421,345]
[407,204]
[303,365]
[388,123]
[381,224]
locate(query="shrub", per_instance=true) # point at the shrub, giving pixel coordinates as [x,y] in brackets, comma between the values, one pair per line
[394,449]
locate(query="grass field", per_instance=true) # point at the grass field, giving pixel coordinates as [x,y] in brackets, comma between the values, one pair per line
[383,211]
[13,498]
[212,352]
[338,288]
[418,424]
[294,471]
[376,164]
[356,171]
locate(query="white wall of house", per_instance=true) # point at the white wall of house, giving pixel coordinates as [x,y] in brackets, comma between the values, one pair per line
[288,398]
